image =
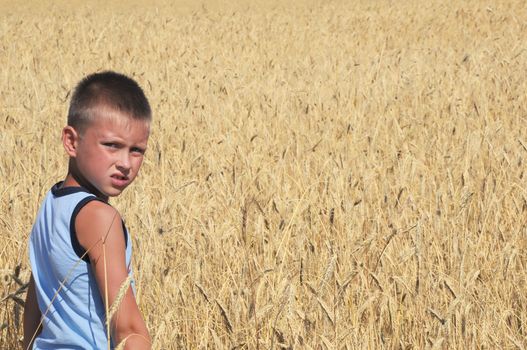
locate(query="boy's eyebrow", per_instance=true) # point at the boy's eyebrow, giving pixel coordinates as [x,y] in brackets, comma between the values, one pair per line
[118,140]
[111,135]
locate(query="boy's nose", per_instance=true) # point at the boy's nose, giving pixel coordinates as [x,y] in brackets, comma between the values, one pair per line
[123,163]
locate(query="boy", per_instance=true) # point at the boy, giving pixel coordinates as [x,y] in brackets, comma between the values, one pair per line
[79,247]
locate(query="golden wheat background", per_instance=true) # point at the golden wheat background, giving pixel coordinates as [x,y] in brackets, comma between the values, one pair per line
[325,175]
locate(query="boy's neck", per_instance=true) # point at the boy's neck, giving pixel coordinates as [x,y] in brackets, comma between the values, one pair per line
[74,180]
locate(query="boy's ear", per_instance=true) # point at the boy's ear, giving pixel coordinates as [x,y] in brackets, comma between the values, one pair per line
[70,139]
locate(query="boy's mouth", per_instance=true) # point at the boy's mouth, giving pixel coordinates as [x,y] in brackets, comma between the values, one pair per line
[120,177]
[120,181]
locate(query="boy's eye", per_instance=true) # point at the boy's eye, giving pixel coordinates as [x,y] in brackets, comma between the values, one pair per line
[138,150]
[111,145]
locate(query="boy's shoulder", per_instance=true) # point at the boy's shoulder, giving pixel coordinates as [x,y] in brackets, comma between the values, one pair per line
[95,222]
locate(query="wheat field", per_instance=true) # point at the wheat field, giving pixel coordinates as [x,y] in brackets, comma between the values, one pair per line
[320,175]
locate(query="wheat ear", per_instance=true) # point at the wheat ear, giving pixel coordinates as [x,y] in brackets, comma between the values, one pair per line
[120,295]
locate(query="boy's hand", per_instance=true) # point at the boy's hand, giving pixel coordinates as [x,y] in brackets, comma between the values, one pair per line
[32,315]
[100,232]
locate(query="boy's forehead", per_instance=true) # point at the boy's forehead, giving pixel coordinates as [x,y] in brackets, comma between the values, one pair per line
[120,125]
[109,117]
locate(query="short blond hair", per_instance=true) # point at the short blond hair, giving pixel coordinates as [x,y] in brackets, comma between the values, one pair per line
[109,90]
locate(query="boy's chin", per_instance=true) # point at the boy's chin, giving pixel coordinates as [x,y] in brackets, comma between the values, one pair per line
[114,192]
[110,192]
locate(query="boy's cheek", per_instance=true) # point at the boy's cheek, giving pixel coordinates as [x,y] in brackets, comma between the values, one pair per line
[139,164]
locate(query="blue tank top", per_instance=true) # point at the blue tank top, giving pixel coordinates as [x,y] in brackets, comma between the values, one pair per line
[75,317]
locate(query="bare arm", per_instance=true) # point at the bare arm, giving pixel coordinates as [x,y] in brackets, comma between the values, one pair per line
[32,316]
[99,230]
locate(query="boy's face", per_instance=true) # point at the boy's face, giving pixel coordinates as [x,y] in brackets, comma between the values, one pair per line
[110,152]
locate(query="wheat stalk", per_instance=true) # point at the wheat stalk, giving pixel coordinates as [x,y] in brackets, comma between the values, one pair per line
[119,298]
[328,272]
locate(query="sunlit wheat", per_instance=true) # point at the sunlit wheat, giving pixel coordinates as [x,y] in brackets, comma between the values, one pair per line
[338,174]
